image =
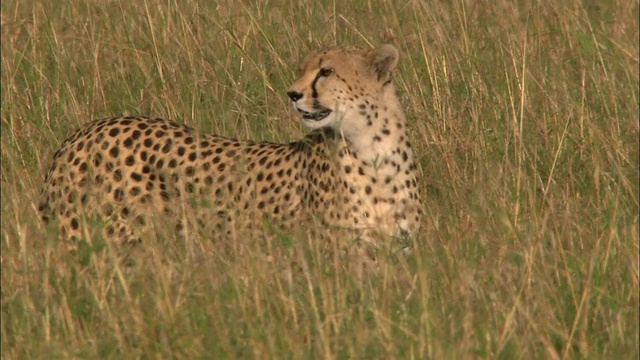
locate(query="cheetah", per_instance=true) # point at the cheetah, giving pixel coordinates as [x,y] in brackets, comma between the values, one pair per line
[353,170]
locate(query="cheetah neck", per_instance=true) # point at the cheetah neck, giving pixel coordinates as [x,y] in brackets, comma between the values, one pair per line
[378,140]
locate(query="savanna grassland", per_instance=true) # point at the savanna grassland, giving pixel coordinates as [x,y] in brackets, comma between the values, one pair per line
[524,120]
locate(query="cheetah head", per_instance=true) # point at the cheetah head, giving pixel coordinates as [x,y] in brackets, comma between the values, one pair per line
[336,82]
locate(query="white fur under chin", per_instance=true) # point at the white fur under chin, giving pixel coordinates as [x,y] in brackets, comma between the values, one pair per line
[315,124]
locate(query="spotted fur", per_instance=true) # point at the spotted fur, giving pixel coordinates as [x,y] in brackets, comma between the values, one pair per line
[354,170]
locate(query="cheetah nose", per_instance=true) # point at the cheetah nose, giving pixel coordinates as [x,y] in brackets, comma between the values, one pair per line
[294,95]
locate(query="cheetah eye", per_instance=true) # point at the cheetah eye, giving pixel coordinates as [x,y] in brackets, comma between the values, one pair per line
[324,72]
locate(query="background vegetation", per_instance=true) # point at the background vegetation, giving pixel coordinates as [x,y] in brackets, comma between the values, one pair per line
[524,117]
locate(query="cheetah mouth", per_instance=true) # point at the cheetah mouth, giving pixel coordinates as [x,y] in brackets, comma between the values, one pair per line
[316,116]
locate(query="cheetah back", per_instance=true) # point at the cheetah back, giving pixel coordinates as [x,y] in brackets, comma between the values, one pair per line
[129,169]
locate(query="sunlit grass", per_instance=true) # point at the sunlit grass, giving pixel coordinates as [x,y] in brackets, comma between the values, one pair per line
[524,120]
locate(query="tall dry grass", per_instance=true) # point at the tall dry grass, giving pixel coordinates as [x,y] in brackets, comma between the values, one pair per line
[524,117]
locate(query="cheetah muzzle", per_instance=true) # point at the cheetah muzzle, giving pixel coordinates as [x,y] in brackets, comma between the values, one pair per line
[317,116]
[354,170]
[318,112]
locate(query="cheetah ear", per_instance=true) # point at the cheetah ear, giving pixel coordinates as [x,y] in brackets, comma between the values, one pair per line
[384,60]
